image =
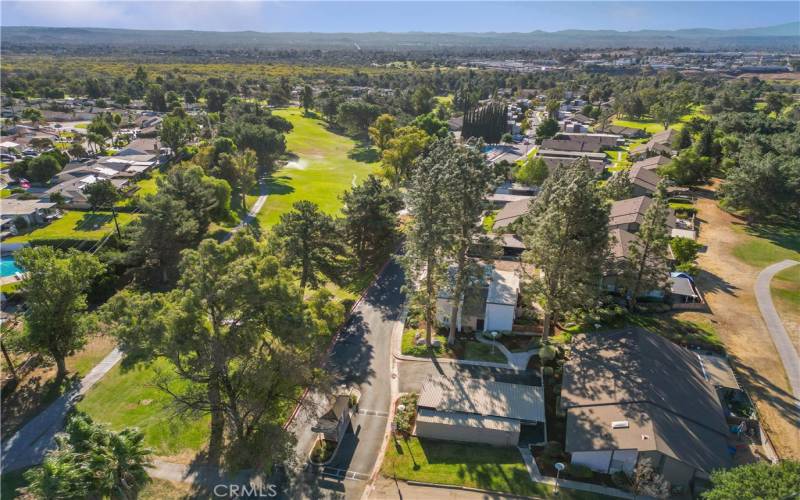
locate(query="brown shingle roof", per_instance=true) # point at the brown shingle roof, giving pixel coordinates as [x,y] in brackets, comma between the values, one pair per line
[644,178]
[652,163]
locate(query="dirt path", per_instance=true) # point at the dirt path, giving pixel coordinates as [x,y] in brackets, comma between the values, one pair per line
[728,285]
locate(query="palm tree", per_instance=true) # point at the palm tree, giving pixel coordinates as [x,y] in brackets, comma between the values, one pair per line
[91,461]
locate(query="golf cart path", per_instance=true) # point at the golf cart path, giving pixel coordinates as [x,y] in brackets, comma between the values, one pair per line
[787,352]
[29,445]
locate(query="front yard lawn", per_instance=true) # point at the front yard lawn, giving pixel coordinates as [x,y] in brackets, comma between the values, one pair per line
[75,225]
[465,348]
[465,464]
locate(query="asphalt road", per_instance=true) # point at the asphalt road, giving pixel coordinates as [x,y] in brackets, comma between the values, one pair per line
[361,357]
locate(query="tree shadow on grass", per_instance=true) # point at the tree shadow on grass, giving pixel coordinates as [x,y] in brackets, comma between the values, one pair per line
[783,233]
[92,222]
[279,185]
[364,152]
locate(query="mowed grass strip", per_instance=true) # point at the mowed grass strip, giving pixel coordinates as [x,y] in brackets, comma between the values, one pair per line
[322,170]
[466,464]
[76,225]
[127,397]
[766,244]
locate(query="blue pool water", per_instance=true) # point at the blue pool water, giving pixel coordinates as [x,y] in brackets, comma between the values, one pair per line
[8,267]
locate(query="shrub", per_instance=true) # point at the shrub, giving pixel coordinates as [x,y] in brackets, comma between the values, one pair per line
[547,353]
[404,420]
[579,471]
[620,480]
[547,371]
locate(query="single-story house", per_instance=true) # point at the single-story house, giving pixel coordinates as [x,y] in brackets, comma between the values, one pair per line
[510,214]
[511,192]
[33,212]
[571,155]
[477,410]
[628,214]
[553,163]
[334,422]
[620,243]
[660,143]
[652,163]
[490,303]
[644,182]
[633,395]
[573,144]
[627,132]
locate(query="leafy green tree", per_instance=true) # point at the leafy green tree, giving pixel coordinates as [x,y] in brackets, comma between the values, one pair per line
[42,168]
[165,228]
[370,219]
[532,172]
[187,182]
[91,461]
[468,180]
[776,101]
[32,114]
[308,240]
[244,168]
[216,99]
[547,129]
[619,186]
[407,144]
[566,233]
[76,150]
[757,480]
[240,341]
[422,100]
[55,295]
[267,143]
[668,112]
[427,242]
[307,98]
[647,264]
[763,185]
[688,168]
[382,131]
[431,124]
[156,97]
[356,115]
[177,130]
[684,139]
[685,251]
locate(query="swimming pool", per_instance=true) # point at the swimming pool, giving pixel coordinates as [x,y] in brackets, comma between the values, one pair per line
[8,267]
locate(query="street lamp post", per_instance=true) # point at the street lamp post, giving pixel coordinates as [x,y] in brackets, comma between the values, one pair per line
[559,467]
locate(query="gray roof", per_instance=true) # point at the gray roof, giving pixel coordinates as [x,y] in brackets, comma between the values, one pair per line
[467,420]
[681,286]
[15,207]
[632,210]
[644,178]
[653,385]
[510,213]
[483,397]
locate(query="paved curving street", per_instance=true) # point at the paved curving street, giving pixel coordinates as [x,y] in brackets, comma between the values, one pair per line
[360,357]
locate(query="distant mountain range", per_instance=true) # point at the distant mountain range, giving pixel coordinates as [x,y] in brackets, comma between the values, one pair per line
[782,37]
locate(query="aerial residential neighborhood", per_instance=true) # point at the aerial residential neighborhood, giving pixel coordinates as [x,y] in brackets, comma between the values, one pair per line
[386,250]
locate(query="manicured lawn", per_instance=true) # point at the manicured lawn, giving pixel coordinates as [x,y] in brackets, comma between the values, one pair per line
[464,464]
[326,165]
[126,397]
[463,349]
[76,225]
[786,287]
[651,127]
[768,244]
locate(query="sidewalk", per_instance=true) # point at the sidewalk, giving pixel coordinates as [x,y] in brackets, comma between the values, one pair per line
[30,444]
[786,350]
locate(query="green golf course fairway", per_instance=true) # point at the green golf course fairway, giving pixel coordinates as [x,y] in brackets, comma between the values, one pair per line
[320,173]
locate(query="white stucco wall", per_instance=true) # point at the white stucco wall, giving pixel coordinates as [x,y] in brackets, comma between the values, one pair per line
[499,317]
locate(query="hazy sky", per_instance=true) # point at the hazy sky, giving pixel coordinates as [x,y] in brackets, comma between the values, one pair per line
[330,16]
